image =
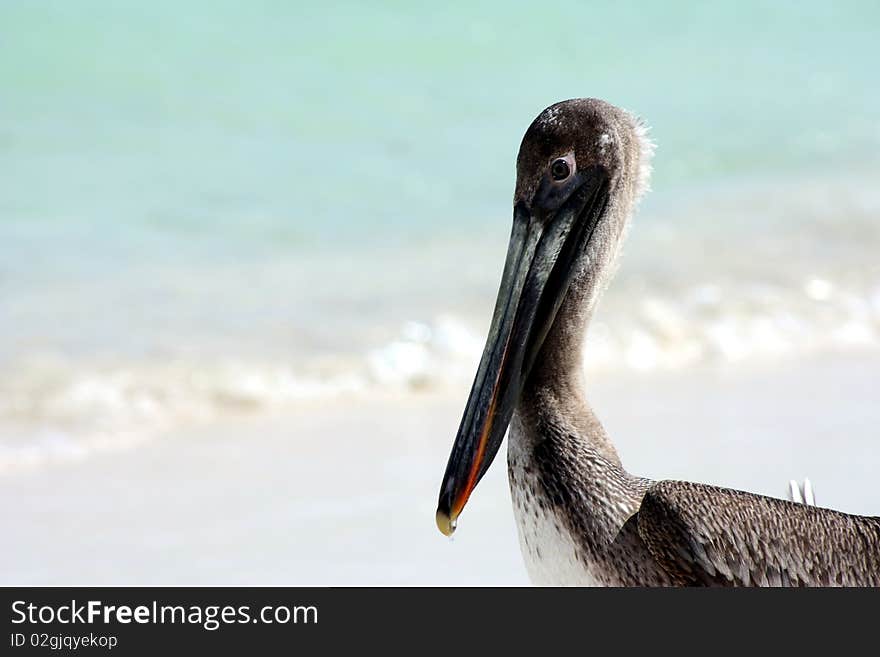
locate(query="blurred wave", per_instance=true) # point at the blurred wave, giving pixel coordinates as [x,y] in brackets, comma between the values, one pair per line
[51,410]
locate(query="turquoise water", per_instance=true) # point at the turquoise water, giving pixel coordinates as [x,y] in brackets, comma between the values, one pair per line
[213,203]
[236,127]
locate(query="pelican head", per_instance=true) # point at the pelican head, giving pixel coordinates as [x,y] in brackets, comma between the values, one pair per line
[582,164]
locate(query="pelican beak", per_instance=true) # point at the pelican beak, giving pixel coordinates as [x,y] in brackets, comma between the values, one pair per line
[544,247]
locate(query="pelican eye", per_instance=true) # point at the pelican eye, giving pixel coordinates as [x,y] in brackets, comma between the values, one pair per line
[560,169]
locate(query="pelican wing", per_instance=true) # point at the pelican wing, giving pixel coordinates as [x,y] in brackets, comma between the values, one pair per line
[705,535]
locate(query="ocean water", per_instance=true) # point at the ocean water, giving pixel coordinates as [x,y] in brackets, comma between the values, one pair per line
[211,208]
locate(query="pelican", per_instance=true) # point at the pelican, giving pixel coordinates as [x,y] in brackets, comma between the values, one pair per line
[582,519]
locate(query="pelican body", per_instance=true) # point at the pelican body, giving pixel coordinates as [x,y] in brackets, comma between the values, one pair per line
[582,518]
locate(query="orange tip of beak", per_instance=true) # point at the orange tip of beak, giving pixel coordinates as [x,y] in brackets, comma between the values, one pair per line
[445,523]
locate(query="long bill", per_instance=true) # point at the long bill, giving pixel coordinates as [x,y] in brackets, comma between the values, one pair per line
[544,247]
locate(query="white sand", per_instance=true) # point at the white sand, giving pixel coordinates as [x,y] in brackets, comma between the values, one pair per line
[344,493]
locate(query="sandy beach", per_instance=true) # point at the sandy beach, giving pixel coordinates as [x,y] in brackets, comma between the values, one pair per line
[342,492]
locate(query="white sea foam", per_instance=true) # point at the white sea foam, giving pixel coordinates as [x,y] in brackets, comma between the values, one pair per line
[440,352]
[54,410]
